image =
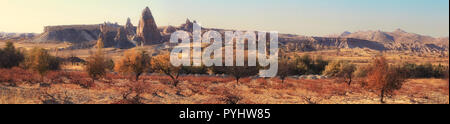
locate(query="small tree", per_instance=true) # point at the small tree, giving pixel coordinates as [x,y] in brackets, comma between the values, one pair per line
[134,61]
[307,65]
[237,72]
[161,64]
[133,93]
[384,78]
[41,61]
[195,69]
[303,64]
[340,69]
[97,64]
[285,67]
[10,56]
[361,71]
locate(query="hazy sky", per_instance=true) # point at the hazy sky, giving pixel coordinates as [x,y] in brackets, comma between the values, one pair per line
[304,17]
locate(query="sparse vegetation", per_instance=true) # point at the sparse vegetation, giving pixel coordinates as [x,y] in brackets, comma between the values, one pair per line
[307,65]
[161,64]
[340,69]
[285,68]
[424,70]
[384,78]
[133,92]
[361,71]
[238,72]
[41,61]
[134,62]
[69,86]
[10,56]
[97,64]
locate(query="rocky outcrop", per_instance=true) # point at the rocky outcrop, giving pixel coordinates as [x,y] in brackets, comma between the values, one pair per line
[71,33]
[321,43]
[122,39]
[75,34]
[169,30]
[129,28]
[109,34]
[403,41]
[188,26]
[147,31]
[114,37]
[16,36]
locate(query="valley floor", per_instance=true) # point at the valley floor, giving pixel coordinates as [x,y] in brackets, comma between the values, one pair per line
[218,90]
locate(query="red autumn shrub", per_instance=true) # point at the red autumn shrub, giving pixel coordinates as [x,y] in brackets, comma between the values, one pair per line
[16,75]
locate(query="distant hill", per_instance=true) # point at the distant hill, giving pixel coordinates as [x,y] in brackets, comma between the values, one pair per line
[69,33]
[402,40]
[398,40]
[16,36]
[148,33]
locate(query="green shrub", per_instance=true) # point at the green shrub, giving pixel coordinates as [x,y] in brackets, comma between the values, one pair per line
[361,71]
[340,69]
[41,61]
[307,65]
[97,63]
[10,56]
[424,70]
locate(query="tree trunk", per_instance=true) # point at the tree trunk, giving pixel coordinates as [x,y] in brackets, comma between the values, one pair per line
[137,77]
[382,96]
[350,80]
[42,78]
[175,80]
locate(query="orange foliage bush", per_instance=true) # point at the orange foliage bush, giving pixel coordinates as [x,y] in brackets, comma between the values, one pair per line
[384,78]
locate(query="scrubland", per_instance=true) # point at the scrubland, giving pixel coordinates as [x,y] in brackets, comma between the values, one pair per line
[29,78]
[70,88]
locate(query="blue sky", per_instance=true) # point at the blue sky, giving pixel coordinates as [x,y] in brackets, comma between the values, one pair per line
[304,17]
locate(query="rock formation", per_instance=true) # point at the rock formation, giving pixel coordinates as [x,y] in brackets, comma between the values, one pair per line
[188,26]
[147,31]
[122,39]
[69,33]
[100,41]
[16,36]
[169,30]
[109,34]
[129,28]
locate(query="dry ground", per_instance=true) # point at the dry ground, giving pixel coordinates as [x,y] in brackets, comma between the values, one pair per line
[365,56]
[218,90]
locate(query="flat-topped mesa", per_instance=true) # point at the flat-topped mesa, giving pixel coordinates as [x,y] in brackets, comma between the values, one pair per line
[147,31]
